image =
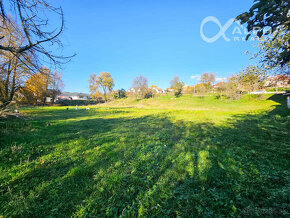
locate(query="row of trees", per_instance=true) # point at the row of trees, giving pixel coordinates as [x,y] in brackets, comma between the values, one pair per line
[250,79]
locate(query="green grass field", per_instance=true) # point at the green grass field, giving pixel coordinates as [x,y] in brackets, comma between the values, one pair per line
[186,157]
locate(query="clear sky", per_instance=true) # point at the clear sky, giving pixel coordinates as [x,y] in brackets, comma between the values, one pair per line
[154,38]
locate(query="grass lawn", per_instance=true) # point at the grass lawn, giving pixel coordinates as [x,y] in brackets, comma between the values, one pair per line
[184,157]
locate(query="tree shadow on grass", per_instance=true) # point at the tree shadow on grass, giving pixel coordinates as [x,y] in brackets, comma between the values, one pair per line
[35,138]
[280,109]
[150,166]
[99,143]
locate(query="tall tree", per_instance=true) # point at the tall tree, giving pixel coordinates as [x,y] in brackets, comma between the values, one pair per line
[56,85]
[36,87]
[103,81]
[271,14]
[250,79]
[94,89]
[14,69]
[42,85]
[207,79]
[140,86]
[177,86]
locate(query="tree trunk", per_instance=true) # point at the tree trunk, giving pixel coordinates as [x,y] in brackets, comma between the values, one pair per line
[44,101]
[7,101]
[8,96]
[4,105]
[105,94]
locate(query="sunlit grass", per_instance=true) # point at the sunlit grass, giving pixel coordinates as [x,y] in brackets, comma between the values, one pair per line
[185,157]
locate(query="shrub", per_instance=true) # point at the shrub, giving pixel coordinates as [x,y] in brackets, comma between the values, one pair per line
[118,94]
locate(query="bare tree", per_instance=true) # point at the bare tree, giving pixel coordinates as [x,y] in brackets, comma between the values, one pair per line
[140,86]
[33,19]
[26,42]
[14,69]
[207,79]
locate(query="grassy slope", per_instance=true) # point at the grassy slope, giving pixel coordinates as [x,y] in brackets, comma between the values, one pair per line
[175,157]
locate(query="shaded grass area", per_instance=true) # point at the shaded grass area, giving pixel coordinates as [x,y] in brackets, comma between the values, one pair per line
[129,162]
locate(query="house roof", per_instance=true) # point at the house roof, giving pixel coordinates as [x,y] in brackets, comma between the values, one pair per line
[279,77]
[218,84]
[157,88]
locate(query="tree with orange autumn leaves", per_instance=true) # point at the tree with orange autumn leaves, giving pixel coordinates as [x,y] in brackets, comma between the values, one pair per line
[42,85]
[104,82]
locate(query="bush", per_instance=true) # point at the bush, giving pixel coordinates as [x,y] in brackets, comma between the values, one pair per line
[178,92]
[121,93]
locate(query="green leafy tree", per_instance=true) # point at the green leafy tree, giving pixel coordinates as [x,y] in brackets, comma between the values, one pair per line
[119,94]
[271,53]
[250,79]
[122,93]
[272,14]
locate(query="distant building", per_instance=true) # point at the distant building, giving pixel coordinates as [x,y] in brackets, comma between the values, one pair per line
[218,84]
[158,90]
[48,100]
[169,90]
[64,97]
[73,96]
[278,81]
[131,90]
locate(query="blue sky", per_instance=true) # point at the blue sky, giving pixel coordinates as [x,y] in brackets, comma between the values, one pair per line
[154,38]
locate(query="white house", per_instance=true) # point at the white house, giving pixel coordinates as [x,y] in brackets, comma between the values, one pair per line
[158,90]
[73,96]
